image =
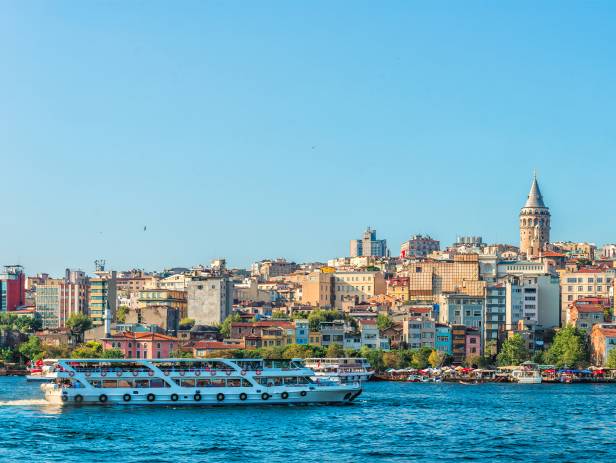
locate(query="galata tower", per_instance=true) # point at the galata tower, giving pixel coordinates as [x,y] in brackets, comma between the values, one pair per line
[534,223]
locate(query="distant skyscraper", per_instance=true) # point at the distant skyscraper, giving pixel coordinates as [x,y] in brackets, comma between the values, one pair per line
[369,245]
[12,288]
[534,223]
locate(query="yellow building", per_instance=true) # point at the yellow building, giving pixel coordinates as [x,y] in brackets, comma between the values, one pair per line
[317,289]
[355,287]
[585,282]
[164,297]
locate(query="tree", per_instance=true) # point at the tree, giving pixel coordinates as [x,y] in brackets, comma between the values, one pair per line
[334,351]
[79,323]
[611,359]
[436,358]
[186,323]
[88,350]
[180,354]
[31,349]
[297,351]
[113,353]
[513,351]
[225,326]
[279,314]
[568,348]
[384,322]
[391,359]
[419,358]
[121,314]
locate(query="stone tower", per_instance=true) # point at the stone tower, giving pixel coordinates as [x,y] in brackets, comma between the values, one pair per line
[534,223]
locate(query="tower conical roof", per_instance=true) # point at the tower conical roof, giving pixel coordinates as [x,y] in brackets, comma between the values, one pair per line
[534,196]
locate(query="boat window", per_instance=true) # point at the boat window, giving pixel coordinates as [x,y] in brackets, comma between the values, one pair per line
[142,383]
[234,382]
[218,382]
[187,383]
[126,383]
[158,383]
[110,383]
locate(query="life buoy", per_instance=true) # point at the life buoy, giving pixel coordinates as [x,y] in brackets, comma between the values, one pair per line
[197,397]
[174,397]
[126,397]
[135,372]
[71,373]
[151,397]
[243,372]
[150,373]
[243,396]
[88,374]
[166,373]
[197,373]
[213,373]
[228,372]
[285,395]
[220,397]
[78,398]
[258,372]
[182,373]
[64,398]
[265,396]
[303,393]
[103,398]
[119,373]
[103,373]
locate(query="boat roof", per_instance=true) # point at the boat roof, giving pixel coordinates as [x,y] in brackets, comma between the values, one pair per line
[205,359]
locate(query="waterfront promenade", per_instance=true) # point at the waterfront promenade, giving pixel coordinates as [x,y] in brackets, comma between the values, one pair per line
[390,422]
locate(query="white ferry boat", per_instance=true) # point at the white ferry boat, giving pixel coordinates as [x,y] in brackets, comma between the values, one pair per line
[191,382]
[343,370]
[527,373]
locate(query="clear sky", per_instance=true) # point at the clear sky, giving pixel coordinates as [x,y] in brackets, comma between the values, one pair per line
[259,129]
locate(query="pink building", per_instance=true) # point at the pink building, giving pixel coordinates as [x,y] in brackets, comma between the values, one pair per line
[142,345]
[473,342]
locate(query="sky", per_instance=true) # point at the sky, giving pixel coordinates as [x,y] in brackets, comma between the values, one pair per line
[253,130]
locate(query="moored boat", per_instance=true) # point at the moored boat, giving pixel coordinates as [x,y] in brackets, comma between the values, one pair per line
[343,370]
[527,373]
[191,382]
[42,371]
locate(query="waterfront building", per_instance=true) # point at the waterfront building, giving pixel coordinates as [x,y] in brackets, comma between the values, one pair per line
[166,317]
[472,341]
[314,338]
[142,345]
[215,348]
[270,333]
[12,288]
[442,338]
[532,334]
[419,246]
[368,245]
[419,332]
[602,341]
[394,335]
[460,309]
[209,298]
[458,343]
[534,223]
[102,297]
[333,332]
[369,332]
[587,312]
[585,282]
[495,316]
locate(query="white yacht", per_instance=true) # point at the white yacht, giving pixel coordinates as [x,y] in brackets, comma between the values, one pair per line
[527,373]
[343,370]
[191,382]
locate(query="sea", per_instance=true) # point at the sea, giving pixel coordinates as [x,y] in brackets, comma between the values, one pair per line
[397,422]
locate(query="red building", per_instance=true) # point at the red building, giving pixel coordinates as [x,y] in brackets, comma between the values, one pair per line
[142,345]
[12,288]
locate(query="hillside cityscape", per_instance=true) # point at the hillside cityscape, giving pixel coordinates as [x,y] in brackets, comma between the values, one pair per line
[470,303]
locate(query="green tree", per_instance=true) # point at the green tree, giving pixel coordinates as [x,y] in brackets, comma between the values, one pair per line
[436,358]
[611,359]
[297,351]
[113,353]
[513,351]
[384,322]
[420,357]
[121,314]
[391,359]
[88,350]
[225,326]
[180,354]
[79,323]
[568,348]
[31,349]
[334,351]
[186,323]
[8,355]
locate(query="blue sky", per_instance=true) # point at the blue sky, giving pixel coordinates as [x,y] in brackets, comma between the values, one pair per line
[261,129]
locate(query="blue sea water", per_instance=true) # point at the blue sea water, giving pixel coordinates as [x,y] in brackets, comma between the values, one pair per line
[390,422]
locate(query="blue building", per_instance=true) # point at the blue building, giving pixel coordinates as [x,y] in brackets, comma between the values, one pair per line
[443,339]
[302,331]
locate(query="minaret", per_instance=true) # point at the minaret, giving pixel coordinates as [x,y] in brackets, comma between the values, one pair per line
[534,223]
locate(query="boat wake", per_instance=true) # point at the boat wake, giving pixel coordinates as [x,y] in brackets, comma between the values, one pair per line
[23,403]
